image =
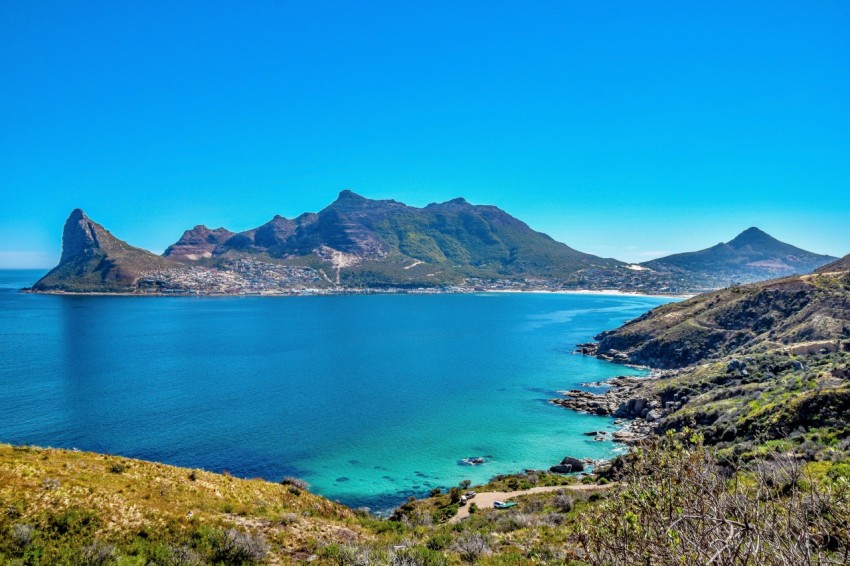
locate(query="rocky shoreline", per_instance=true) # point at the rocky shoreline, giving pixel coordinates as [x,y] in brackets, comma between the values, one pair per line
[626,398]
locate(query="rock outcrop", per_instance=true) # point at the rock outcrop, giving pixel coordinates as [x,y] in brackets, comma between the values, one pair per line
[93,260]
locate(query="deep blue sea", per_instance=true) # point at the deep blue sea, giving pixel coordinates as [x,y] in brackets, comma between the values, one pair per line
[368,398]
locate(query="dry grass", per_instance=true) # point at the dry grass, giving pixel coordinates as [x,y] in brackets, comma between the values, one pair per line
[132,496]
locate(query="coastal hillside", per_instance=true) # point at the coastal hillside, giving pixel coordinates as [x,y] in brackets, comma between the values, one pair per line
[353,244]
[799,313]
[357,244]
[842,264]
[385,241]
[70,507]
[751,256]
[93,260]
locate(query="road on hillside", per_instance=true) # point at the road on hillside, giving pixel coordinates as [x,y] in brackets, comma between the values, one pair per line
[485,500]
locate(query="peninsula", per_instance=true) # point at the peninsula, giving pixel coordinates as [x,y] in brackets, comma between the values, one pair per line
[357,244]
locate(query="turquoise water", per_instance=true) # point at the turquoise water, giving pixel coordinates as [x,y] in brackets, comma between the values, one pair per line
[368,398]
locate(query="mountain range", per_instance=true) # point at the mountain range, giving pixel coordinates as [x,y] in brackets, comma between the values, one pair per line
[357,242]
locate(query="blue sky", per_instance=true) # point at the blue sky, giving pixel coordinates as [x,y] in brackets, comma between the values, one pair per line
[625,129]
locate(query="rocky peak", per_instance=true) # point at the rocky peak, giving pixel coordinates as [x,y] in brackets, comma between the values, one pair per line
[198,242]
[348,196]
[79,236]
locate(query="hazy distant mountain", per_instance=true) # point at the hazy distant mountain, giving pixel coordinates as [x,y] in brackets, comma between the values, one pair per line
[752,256]
[93,260]
[385,241]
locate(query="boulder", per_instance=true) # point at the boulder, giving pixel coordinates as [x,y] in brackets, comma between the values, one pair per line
[576,464]
[654,415]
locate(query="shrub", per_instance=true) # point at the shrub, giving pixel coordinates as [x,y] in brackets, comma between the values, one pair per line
[98,554]
[193,475]
[439,541]
[417,556]
[676,505]
[472,546]
[564,503]
[182,556]
[22,536]
[465,484]
[295,482]
[237,547]
[73,521]
[117,468]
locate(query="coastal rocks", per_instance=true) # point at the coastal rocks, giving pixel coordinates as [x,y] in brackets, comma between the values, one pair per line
[587,349]
[629,400]
[567,466]
[620,400]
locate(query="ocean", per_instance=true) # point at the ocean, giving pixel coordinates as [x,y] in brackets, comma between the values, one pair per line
[370,399]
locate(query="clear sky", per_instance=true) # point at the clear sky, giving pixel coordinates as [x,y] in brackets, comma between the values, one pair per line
[625,129]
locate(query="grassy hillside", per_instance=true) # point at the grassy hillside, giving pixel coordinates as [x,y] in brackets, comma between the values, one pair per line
[800,313]
[61,506]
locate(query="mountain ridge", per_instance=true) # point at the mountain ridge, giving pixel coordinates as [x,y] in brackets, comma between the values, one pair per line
[360,243]
[438,233]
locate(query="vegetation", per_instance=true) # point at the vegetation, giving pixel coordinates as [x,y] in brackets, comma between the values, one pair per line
[751,466]
[801,314]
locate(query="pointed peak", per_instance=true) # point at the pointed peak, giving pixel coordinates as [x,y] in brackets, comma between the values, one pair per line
[77,214]
[347,195]
[750,236]
[458,200]
[79,236]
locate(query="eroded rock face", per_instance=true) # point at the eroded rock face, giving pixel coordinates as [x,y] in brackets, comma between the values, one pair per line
[198,243]
[79,236]
[93,260]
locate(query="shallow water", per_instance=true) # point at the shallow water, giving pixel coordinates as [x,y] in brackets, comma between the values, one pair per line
[368,398]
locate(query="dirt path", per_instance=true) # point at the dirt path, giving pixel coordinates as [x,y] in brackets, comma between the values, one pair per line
[485,500]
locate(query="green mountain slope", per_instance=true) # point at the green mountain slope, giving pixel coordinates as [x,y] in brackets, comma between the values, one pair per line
[381,241]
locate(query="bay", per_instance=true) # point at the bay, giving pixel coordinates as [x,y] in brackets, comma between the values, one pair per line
[370,399]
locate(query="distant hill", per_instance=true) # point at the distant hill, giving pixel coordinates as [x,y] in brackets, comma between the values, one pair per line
[93,260]
[752,256]
[385,241]
[842,264]
[800,313]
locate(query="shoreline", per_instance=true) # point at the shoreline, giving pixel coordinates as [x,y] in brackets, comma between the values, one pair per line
[354,292]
